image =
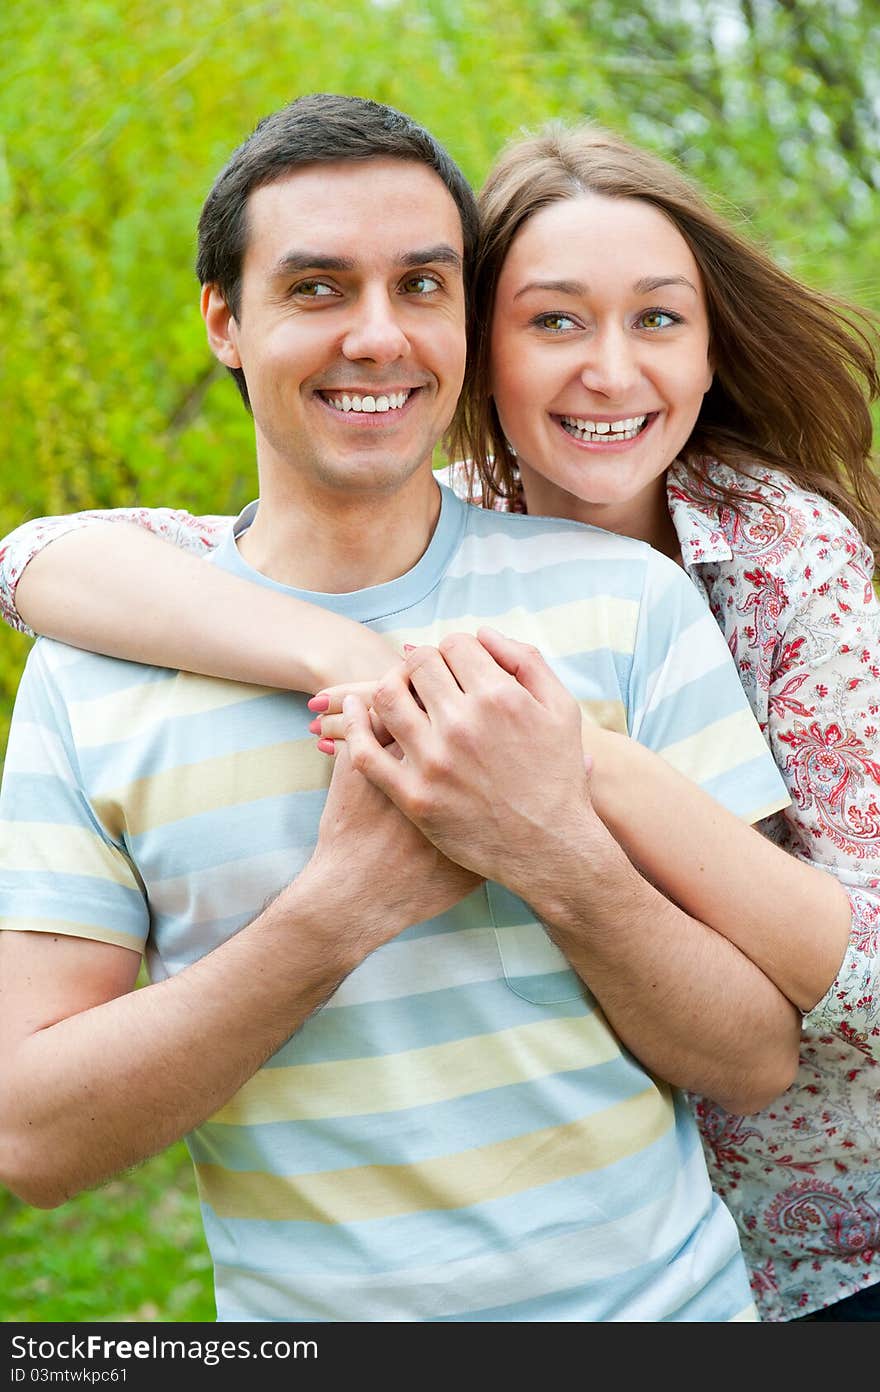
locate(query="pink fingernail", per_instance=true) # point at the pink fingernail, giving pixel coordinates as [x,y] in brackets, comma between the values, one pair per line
[319,703]
[409,647]
[327,746]
[315,727]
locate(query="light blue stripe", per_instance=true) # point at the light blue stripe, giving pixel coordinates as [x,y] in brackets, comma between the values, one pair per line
[232,834]
[82,897]
[748,787]
[414,1022]
[727,1296]
[692,707]
[42,797]
[396,1244]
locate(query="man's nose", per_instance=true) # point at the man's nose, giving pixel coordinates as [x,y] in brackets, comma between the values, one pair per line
[611,364]
[375,332]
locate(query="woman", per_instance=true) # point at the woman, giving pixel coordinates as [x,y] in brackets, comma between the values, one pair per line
[640,367]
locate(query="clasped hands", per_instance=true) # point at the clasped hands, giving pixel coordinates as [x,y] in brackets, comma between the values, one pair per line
[478,744]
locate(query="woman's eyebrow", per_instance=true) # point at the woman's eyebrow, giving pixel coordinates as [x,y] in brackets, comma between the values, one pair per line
[557,287]
[649,283]
[576,287]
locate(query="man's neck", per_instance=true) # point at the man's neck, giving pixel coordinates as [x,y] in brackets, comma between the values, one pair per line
[333,542]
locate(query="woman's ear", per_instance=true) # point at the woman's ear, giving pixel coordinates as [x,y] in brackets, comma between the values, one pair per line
[221,326]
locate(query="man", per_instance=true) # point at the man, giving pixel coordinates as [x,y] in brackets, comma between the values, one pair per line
[403,1102]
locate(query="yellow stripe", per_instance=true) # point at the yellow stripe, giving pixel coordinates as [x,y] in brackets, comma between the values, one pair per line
[228,780]
[420,1077]
[717,748]
[68,928]
[480,1175]
[759,813]
[584,625]
[610,715]
[70,850]
[131,712]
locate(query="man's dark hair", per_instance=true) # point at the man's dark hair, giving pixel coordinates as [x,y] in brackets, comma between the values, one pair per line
[318,128]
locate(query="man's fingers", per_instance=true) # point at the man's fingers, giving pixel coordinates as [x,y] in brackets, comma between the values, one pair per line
[381,766]
[432,681]
[524,663]
[471,663]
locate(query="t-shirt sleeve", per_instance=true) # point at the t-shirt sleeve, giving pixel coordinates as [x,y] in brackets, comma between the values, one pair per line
[197,534]
[686,702]
[60,870]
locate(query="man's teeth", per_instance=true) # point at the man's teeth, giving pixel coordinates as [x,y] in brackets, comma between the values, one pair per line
[392,402]
[607,430]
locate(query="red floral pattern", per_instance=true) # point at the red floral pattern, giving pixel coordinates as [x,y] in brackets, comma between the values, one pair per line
[789,582]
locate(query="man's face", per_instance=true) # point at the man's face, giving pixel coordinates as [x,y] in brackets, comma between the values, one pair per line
[351,327]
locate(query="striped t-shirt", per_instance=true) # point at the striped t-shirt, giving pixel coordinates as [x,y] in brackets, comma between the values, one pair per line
[457,1134]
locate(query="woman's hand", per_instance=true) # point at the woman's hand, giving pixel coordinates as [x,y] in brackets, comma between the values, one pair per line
[326,705]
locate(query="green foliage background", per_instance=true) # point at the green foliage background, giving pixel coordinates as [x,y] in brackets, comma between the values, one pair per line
[114,117]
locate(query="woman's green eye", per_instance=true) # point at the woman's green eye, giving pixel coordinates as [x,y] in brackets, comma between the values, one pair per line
[556,323]
[657,319]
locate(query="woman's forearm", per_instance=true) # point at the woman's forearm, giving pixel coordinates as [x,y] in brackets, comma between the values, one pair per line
[790,918]
[117,589]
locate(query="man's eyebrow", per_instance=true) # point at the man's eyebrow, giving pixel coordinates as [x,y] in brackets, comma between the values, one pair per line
[442,254]
[294,262]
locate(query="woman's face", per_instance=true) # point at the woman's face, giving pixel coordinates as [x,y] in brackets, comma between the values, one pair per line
[600,358]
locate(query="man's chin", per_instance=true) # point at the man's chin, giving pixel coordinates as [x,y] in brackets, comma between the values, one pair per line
[375,473]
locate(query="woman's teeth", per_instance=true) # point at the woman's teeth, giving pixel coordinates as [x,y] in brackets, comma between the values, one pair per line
[607,431]
[392,402]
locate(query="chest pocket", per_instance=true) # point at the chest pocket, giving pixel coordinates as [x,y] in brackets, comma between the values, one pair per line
[534,968]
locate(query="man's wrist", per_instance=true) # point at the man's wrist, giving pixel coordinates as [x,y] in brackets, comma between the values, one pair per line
[569,877]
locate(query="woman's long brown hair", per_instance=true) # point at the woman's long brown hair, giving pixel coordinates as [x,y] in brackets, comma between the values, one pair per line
[795,370]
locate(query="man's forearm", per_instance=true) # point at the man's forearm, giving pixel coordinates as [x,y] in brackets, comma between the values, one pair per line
[105,1088]
[684,1000]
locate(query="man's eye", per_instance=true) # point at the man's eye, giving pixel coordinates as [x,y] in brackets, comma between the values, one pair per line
[554,323]
[313,289]
[421,284]
[657,319]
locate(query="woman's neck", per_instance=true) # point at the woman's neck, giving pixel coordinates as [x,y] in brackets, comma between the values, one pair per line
[645,518]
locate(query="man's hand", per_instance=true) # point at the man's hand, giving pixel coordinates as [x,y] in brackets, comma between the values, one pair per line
[373,867]
[492,769]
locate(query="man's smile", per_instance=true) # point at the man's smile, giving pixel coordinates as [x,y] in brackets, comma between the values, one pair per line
[363,405]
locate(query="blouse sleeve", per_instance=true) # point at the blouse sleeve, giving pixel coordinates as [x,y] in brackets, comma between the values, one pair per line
[823,726]
[197,534]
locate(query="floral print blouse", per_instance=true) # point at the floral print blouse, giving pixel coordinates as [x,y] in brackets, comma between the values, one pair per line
[788,580]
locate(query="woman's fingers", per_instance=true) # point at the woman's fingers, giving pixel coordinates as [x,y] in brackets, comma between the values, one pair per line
[332,727]
[328,701]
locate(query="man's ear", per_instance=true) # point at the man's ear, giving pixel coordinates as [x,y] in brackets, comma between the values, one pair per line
[221,326]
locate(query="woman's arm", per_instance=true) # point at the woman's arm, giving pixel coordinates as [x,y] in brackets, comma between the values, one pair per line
[112,584]
[789,918]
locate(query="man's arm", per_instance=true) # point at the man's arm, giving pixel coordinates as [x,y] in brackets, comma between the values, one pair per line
[96,1077]
[493,774]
